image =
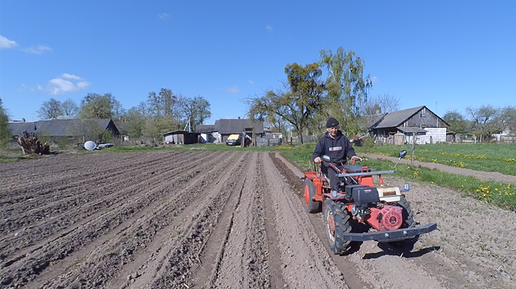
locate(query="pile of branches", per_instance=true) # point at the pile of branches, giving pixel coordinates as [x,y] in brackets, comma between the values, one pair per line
[31,145]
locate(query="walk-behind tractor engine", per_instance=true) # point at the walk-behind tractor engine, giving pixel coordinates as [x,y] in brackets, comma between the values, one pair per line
[361,211]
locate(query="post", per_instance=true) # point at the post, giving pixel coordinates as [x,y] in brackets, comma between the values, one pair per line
[413,149]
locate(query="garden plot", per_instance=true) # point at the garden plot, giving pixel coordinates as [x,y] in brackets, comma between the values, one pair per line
[221,220]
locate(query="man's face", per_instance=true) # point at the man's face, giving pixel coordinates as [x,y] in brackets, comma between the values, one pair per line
[332,130]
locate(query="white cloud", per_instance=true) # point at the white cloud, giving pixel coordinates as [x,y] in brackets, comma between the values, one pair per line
[374,79]
[38,49]
[64,84]
[268,27]
[233,89]
[6,43]
[251,82]
[163,16]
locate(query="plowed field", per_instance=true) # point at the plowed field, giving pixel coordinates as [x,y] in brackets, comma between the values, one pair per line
[222,220]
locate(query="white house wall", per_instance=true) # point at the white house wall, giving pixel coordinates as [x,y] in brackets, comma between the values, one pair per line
[435,135]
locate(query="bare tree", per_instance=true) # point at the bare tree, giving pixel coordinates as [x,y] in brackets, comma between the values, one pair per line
[50,109]
[69,108]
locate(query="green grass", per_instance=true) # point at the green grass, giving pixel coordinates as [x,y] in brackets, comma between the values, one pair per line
[489,157]
[500,194]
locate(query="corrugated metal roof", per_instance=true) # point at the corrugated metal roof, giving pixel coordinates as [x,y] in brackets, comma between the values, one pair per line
[396,118]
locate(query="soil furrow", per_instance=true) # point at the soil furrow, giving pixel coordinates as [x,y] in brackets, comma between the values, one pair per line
[108,258]
[88,200]
[92,207]
[75,238]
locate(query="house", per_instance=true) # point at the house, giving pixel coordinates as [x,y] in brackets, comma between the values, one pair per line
[220,131]
[181,137]
[403,126]
[71,129]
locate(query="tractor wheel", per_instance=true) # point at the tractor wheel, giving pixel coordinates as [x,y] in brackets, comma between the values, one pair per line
[336,223]
[311,205]
[408,222]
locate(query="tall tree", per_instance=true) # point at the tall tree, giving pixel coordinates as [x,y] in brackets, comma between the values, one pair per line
[347,86]
[96,106]
[135,118]
[165,103]
[485,121]
[194,111]
[458,123]
[50,109]
[381,103]
[69,108]
[296,106]
[5,135]
[508,119]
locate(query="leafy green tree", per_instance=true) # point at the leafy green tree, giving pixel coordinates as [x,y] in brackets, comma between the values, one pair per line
[165,103]
[5,135]
[457,122]
[194,111]
[135,118]
[69,108]
[96,106]
[347,87]
[50,109]
[298,105]
[155,127]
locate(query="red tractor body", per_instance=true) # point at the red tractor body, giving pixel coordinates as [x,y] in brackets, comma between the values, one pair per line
[383,209]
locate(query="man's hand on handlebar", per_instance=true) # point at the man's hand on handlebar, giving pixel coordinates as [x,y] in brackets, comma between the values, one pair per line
[317,160]
[356,158]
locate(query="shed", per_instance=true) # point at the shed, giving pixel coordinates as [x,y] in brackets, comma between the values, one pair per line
[181,137]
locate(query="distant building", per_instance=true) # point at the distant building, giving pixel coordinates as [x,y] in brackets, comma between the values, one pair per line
[223,128]
[181,137]
[71,129]
[399,127]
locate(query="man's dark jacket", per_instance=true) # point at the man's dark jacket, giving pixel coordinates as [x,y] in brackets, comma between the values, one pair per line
[338,148]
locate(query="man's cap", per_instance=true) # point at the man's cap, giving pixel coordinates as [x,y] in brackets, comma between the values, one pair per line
[332,122]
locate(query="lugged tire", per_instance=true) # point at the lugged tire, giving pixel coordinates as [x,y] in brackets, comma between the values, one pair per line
[310,191]
[341,225]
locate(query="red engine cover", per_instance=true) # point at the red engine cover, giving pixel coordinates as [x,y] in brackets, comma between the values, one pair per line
[392,217]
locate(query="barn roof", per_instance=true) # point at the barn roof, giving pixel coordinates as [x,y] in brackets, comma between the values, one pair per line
[396,118]
[54,127]
[229,126]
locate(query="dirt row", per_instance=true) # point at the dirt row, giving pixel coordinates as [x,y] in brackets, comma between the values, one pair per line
[222,220]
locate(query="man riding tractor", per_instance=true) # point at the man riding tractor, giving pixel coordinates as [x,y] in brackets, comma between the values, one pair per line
[338,147]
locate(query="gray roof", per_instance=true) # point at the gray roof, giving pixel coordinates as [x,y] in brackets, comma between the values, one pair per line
[396,118]
[121,126]
[229,126]
[53,127]
[205,128]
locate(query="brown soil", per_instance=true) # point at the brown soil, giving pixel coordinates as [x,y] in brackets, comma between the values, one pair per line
[222,220]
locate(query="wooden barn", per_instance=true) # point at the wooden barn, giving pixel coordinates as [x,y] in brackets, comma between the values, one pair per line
[403,126]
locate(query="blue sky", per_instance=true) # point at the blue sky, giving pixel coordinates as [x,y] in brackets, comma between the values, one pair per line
[447,55]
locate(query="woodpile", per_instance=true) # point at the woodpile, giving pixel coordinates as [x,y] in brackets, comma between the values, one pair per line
[31,145]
